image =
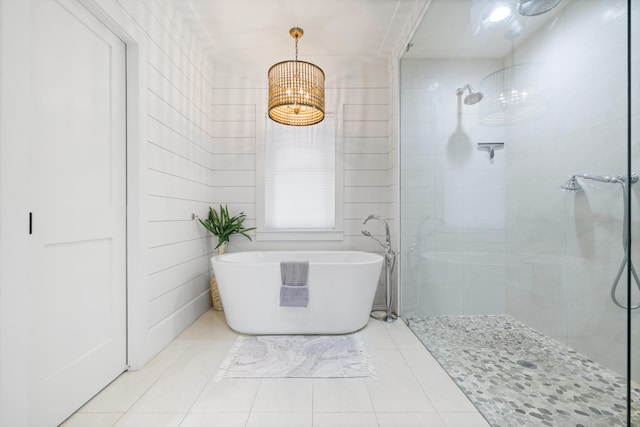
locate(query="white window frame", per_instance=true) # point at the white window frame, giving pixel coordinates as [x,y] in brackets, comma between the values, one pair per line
[335,233]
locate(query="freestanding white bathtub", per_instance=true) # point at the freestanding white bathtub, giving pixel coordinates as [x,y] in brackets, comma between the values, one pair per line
[342,286]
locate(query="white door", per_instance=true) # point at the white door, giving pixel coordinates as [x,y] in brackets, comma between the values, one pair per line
[77,283]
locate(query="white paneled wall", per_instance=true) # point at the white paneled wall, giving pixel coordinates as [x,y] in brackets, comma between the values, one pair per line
[177,173]
[362,109]
[171,168]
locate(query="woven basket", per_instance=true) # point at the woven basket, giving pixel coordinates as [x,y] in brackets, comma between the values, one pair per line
[215,294]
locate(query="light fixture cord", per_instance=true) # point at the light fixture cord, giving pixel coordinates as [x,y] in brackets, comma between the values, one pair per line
[297,48]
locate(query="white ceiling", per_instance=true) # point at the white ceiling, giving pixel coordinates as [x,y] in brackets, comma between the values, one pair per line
[452,29]
[250,28]
[258,30]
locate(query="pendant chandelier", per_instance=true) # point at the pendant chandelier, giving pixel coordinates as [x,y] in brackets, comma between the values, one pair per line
[296,90]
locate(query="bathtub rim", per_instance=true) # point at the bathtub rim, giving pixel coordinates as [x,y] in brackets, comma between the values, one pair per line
[228,257]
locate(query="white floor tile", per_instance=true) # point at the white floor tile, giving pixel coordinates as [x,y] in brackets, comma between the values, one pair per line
[228,395]
[150,420]
[398,396]
[124,391]
[391,365]
[222,419]
[283,419]
[177,388]
[414,419]
[402,335]
[81,419]
[332,419]
[341,395]
[445,395]
[463,419]
[396,389]
[375,335]
[284,395]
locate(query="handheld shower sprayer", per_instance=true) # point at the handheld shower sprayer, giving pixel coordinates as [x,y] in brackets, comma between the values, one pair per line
[387,244]
[573,185]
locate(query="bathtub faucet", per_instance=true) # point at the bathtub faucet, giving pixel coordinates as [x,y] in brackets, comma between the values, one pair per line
[390,261]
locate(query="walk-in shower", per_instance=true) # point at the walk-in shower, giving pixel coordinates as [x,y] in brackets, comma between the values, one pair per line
[573,185]
[511,289]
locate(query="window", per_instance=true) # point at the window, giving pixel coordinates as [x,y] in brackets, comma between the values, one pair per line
[300,181]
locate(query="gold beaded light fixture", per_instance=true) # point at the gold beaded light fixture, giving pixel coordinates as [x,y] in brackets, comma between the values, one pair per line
[296,90]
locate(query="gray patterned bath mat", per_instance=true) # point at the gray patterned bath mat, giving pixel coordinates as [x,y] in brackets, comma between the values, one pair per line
[296,356]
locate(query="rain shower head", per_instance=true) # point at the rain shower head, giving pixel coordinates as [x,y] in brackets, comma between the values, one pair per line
[536,7]
[571,185]
[474,96]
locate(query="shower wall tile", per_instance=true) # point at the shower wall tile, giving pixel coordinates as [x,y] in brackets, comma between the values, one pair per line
[574,239]
[480,300]
[562,249]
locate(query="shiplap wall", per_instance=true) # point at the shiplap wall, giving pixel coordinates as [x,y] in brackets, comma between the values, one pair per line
[179,169]
[175,166]
[361,106]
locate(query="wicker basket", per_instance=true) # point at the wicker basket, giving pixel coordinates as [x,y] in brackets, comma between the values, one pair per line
[215,294]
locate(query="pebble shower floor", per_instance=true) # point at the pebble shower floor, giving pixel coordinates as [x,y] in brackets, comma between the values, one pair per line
[516,376]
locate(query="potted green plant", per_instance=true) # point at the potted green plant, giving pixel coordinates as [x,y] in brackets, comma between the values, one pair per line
[223,226]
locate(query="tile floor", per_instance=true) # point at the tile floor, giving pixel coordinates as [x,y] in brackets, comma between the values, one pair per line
[176,388]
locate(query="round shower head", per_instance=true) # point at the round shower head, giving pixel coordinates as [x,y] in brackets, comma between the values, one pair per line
[473,98]
[571,185]
[536,7]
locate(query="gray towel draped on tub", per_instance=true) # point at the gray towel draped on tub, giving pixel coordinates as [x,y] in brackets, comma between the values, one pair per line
[294,291]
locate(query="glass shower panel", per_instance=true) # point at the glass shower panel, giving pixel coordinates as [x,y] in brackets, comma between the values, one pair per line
[633,369]
[514,178]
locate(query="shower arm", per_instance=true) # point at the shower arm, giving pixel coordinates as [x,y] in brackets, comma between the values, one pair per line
[460,91]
